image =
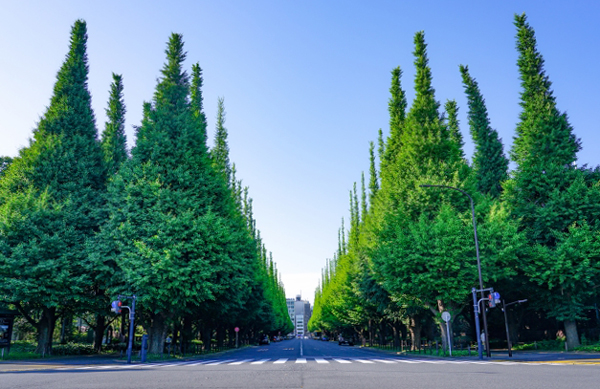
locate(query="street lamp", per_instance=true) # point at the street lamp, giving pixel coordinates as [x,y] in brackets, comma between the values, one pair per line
[476,307]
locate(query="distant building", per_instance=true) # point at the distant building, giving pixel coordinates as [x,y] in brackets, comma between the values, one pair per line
[299,311]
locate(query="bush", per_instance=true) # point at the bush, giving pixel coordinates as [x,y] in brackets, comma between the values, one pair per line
[589,348]
[73,349]
[547,345]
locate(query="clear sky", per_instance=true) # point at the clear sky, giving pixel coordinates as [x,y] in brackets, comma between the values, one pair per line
[306,85]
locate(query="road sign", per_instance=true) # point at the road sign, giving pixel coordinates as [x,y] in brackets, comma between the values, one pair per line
[446,316]
[236,329]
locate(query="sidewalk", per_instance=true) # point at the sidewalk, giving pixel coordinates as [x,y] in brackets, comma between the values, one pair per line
[75,360]
[517,356]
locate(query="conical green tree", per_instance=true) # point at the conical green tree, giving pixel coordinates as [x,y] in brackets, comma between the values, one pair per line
[180,245]
[490,165]
[114,141]
[51,201]
[548,194]
[452,111]
[373,180]
[220,151]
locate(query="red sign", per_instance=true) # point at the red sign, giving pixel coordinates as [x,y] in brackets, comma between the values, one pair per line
[236,329]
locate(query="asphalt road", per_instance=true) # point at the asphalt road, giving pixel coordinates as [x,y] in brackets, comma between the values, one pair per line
[303,364]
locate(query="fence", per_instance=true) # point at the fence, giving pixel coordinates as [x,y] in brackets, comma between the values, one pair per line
[430,347]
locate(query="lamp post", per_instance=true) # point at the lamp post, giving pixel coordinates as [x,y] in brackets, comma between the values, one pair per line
[485,329]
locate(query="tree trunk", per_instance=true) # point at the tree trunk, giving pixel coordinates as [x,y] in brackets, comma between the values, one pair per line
[220,336]
[445,335]
[571,332]
[396,335]
[45,330]
[157,334]
[206,338]
[415,331]
[99,332]
[186,335]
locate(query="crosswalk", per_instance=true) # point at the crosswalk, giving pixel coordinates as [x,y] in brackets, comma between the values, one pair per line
[281,361]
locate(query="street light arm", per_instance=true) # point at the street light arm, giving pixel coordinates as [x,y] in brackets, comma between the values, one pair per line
[448,187]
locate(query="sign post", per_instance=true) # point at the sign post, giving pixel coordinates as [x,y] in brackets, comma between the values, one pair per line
[237,330]
[446,317]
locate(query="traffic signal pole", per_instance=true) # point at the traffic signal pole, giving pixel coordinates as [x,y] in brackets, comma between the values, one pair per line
[477,326]
[116,307]
[131,330]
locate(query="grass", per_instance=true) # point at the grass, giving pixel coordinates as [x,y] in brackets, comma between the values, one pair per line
[22,350]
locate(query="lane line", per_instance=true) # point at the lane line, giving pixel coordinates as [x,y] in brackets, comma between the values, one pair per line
[260,362]
[383,361]
[282,360]
[363,361]
[301,360]
[321,360]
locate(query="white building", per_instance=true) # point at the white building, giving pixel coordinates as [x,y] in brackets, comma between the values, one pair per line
[299,311]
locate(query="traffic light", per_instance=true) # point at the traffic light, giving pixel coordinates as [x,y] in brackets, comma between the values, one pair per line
[116,306]
[494,298]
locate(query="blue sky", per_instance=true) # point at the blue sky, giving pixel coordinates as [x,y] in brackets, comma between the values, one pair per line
[306,85]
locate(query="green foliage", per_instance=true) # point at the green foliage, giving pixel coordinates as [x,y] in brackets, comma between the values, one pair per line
[51,200]
[114,141]
[4,164]
[489,163]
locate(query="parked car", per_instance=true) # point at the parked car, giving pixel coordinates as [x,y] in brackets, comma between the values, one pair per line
[264,339]
[342,340]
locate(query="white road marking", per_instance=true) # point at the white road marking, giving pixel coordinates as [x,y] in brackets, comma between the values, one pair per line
[201,362]
[301,360]
[260,362]
[219,362]
[383,361]
[342,361]
[363,361]
[321,360]
[282,360]
[240,362]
